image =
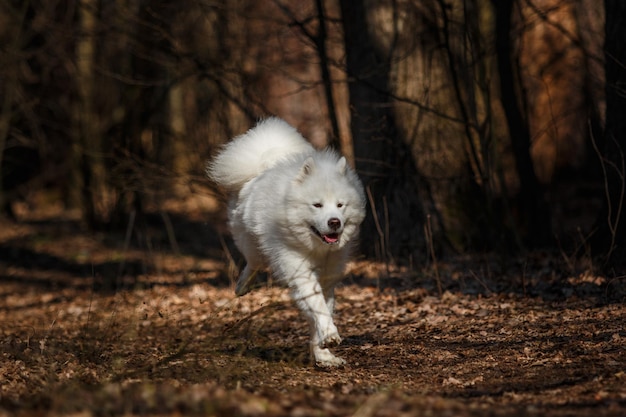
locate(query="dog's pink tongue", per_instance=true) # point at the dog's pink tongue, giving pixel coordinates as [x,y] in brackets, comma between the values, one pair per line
[332,238]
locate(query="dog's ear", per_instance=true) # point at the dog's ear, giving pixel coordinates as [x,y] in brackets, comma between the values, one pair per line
[341,165]
[308,167]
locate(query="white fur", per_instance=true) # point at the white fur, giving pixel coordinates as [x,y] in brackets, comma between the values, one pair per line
[297,211]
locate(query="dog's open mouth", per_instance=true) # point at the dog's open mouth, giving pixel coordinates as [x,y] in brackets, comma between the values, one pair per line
[329,238]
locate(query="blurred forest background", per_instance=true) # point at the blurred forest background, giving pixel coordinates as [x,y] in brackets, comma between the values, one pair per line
[476,125]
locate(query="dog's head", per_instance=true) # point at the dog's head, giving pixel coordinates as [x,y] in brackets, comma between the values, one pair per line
[326,204]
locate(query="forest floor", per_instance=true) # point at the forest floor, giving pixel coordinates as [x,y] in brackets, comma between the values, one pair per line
[148,324]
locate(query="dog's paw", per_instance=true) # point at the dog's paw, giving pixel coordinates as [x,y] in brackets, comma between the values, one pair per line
[242,288]
[245,282]
[331,340]
[325,359]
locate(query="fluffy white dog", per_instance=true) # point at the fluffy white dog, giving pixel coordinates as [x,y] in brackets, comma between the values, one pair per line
[297,211]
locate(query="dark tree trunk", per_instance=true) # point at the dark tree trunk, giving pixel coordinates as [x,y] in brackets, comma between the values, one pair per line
[610,239]
[335,140]
[383,160]
[534,211]
[89,174]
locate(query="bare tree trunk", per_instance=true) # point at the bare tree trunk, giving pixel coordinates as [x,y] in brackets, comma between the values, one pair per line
[88,163]
[383,161]
[549,52]
[9,90]
[610,239]
[440,95]
[326,78]
[534,209]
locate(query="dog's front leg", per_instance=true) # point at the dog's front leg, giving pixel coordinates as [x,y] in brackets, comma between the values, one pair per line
[310,298]
[329,296]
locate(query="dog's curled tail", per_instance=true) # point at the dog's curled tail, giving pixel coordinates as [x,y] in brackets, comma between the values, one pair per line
[260,148]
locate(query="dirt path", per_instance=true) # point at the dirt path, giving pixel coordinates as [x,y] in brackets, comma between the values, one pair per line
[173,339]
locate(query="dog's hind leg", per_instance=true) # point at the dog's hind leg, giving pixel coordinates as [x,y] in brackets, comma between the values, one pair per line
[246,280]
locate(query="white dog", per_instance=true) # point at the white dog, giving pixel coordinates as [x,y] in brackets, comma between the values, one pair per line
[297,211]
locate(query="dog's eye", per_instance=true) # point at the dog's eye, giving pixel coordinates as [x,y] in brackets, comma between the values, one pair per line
[318,205]
[339,205]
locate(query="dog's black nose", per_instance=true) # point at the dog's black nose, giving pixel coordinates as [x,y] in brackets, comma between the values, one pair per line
[334,223]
